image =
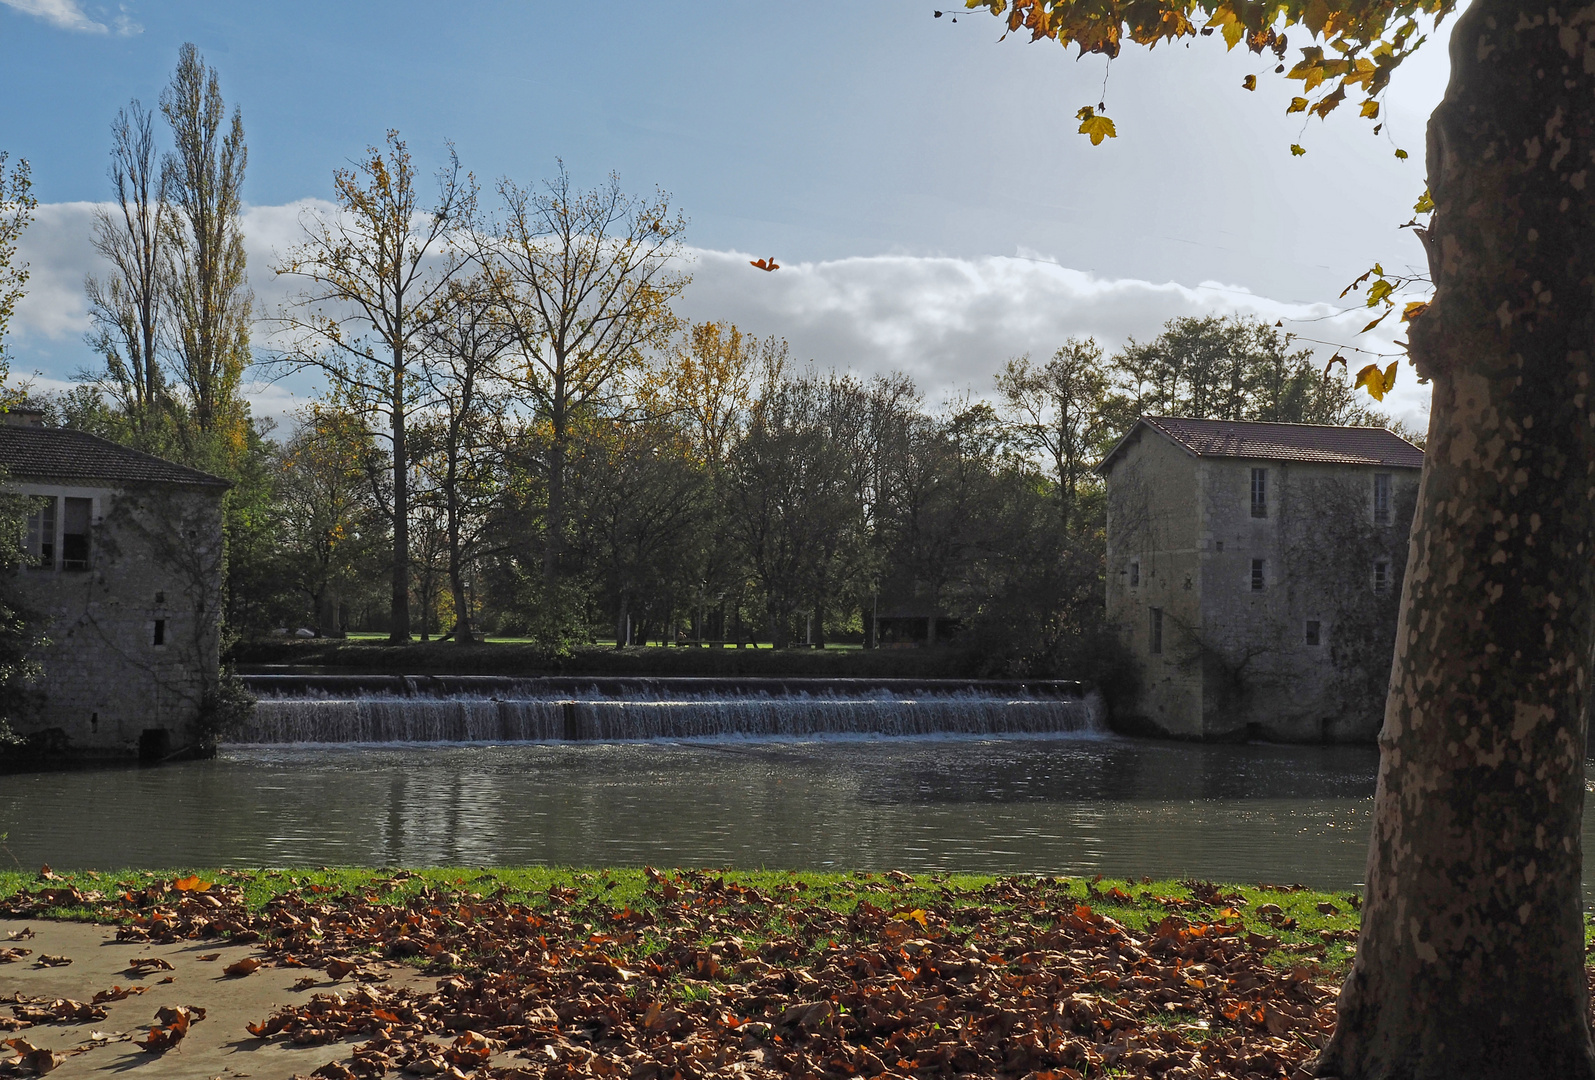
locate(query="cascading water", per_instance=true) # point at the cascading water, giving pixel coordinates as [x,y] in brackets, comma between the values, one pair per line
[463,709]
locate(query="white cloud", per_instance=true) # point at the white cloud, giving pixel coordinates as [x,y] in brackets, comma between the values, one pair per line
[65,14]
[950,323]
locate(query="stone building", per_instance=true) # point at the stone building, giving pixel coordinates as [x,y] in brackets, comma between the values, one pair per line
[123,562]
[1255,570]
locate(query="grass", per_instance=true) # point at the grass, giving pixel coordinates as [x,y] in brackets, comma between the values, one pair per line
[1301,928]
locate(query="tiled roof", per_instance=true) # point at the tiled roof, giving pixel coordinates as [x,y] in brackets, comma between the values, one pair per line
[41,453]
[1281,442]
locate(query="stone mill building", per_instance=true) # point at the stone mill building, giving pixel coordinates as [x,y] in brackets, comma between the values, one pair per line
[123,563]
[1255,572]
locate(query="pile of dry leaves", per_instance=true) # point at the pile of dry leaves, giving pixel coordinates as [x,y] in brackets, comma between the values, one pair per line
[706,977]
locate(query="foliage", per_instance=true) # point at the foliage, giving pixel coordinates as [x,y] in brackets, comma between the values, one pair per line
[16,211]
[1362,43]
[681,969]
[373,275]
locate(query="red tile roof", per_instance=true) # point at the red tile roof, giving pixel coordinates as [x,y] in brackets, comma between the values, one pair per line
[41,453]
[1315,443]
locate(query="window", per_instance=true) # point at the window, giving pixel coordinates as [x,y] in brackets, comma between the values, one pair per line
[41,533]
[1260,493]
[1381,576]
[1257,575]
[1135,574]
[1157,629]
[158,637]
[75,534]
[1314,634]
[1381,498]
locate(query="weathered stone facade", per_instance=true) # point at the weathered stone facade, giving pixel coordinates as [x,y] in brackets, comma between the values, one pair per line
[1255,571]
[124,564]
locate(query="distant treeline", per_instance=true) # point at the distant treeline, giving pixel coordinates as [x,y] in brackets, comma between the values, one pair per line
[519,436]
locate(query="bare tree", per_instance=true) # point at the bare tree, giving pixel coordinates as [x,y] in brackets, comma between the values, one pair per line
[207,292]
[462,441]
[126,306]
[373,274]
[588,281]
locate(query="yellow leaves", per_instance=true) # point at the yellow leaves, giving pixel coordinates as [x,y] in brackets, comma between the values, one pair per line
[1425,203]
[1097,126]
[1401,155]
[1297,150]
[1380,289]
[1377,383]
[917,915]
[1370,110]
[1297,104]
[190,884]
[1413,310]
[1250,82]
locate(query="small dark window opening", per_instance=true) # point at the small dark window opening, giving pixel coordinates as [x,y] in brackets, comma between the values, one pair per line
[1259,493]
[1315,632]
[41,533]
[1135,574]
[1381,576]
[1157,629]
[1381,498]
[159,637]
[75,534]
[1257,575]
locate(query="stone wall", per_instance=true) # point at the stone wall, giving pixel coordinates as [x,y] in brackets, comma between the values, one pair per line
[1240,662]
[134,640]
[1154,565]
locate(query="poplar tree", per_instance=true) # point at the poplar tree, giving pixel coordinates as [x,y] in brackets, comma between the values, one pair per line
[206,288]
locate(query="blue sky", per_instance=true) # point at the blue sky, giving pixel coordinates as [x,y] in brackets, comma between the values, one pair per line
[874,150]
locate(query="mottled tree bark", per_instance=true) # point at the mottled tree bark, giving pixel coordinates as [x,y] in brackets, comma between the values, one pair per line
[1471,959]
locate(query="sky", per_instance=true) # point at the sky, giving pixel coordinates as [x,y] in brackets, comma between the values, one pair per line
[921,183]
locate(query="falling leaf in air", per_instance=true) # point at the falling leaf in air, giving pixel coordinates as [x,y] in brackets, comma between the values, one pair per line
[766,264]
[1096,125]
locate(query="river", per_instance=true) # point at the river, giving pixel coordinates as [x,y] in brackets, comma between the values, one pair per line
[1077,805]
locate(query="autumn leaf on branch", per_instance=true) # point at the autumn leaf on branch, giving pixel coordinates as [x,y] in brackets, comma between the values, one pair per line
[1357,49]
[1378,383]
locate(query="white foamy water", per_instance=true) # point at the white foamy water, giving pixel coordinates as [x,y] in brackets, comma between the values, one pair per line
[391,718]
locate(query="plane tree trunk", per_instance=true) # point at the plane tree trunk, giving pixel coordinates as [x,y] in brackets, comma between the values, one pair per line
[1471,958]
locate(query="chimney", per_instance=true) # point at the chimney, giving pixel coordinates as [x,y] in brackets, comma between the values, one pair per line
[23,415]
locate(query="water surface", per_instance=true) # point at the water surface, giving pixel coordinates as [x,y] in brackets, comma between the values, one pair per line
[1072,806]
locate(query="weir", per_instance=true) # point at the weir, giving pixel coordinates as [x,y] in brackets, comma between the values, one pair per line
[466,708]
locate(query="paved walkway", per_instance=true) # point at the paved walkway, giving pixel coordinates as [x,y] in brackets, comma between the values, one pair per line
[217,1047]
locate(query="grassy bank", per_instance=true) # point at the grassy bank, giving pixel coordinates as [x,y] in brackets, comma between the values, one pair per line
[520,658]
[1305,923]
[640,974]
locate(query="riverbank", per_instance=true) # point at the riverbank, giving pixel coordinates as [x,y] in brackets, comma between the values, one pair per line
[519,658]
[550,971]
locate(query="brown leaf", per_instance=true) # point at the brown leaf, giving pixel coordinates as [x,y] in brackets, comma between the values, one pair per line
[247,966]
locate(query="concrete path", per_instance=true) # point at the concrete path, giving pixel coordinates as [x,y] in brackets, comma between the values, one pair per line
[218,1047]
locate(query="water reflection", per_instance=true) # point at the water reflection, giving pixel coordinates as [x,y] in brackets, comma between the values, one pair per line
[1061,805]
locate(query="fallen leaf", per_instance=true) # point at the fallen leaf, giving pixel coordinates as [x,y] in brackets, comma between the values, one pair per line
[46,960]
[247,966]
